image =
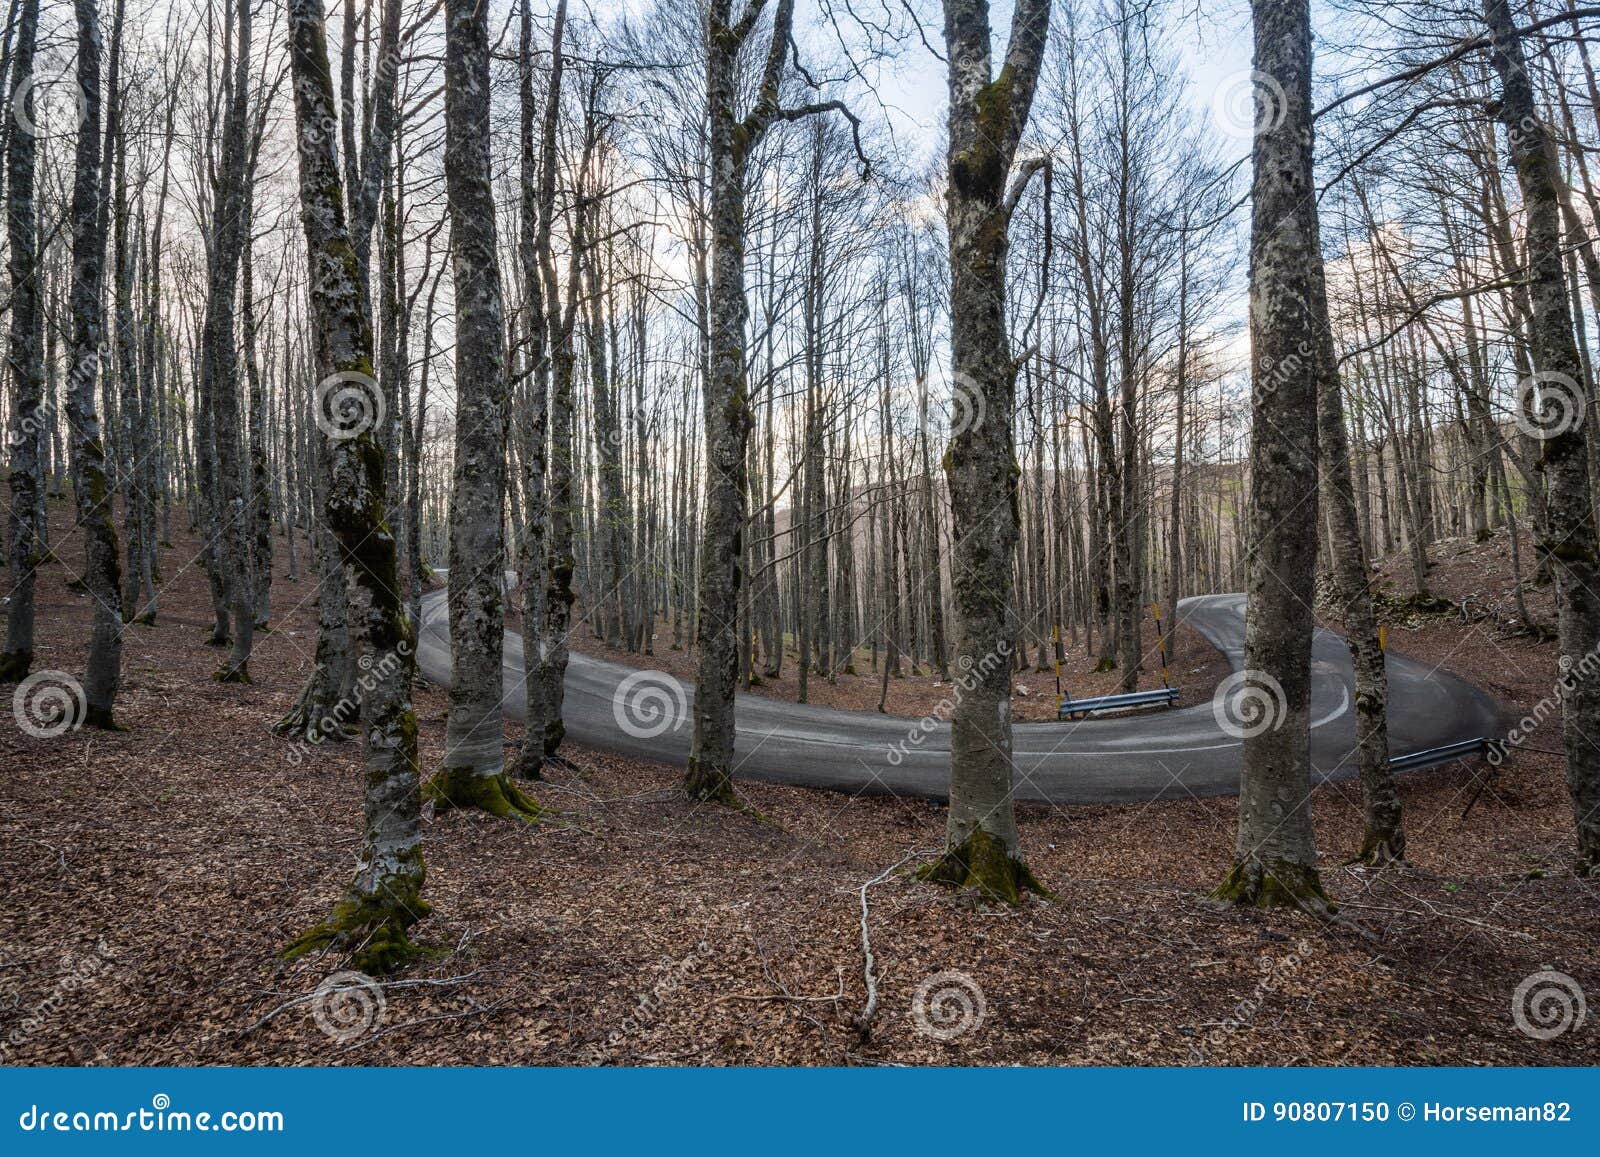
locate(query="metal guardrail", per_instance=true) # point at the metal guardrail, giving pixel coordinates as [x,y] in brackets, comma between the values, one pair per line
[1433,755]
[1072,707]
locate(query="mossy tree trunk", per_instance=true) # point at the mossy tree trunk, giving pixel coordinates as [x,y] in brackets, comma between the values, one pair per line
[219,375]
[1568,546]
[1275,857]
[330,701]
[103,572]
[1383,839]
[728,418]
[25,546]
[538,179]
[474,772]
[987,116]
[384,899]
[545,728]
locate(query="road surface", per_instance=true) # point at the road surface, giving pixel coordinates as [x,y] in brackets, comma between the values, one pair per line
[1192,749]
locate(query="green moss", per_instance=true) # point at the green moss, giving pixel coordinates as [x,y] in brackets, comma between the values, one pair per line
[459,787]
[709,784]
[983,865]
[373,929]
[1279,884]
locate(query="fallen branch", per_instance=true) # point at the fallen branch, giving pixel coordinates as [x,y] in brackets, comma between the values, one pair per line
[315,993]
[863,1023]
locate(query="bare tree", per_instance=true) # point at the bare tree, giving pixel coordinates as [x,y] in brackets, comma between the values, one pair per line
[987,115]
[385,898]
[1275,857]
[474,772]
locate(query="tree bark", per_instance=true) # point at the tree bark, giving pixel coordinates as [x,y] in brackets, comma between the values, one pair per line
[385,898]
[1568,544]
[1275,859]
[474,773]
[986,118]
[103,575]
[25,548]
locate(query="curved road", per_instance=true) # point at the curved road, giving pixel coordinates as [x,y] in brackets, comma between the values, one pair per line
[1172,753]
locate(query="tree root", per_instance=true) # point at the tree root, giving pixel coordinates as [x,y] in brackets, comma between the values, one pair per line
[983,865]
[459,787]
[1280,884]
[707,784]
[100,718]
[371,929]
[233,674]
[1382,849]
[313,718]
[14,666]
[530,761]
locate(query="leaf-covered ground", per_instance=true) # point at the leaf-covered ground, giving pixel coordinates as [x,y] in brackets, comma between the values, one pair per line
[152,876]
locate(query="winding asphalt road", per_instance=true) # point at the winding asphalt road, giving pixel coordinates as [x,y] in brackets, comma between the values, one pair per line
[1168,754]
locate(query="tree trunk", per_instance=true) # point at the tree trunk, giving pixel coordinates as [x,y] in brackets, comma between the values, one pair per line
[474,774]
[385,898]
[1275,859]
[1556,413]
[25,547]
[103,576]
[987,115]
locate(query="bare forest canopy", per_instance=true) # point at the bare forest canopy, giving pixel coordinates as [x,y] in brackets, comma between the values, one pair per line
[779,333]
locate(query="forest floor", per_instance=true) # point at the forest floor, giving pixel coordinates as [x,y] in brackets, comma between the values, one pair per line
[1195,668]
[153,876]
